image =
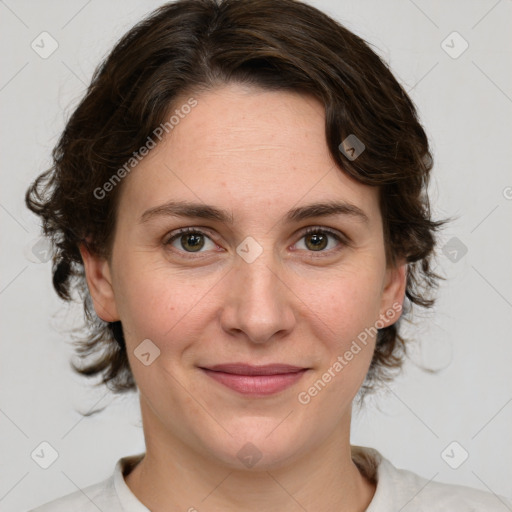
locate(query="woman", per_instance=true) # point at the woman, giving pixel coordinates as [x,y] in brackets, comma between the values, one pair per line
[240,198]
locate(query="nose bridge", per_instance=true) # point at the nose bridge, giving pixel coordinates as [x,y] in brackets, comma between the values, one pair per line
[259,303]
[260,277]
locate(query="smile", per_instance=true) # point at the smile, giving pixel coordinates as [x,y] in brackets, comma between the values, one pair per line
[255,381]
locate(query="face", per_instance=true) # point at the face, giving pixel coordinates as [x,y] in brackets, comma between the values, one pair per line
[260,277]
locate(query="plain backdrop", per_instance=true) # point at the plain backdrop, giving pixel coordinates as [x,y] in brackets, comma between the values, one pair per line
[464,100]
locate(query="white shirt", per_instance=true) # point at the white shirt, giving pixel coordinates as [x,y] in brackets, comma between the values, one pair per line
[397,490]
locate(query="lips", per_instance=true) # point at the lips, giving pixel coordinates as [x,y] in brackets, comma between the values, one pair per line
[246,369]
[256,381]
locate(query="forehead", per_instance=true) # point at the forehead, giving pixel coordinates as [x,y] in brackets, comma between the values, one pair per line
[257,151]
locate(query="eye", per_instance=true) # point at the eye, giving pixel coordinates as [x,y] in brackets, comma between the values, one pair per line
[314,240]
[320,240]
[190,240]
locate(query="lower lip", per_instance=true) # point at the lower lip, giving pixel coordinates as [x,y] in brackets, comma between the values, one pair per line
[256,385]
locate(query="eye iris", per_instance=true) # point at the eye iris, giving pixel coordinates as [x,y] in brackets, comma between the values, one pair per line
[192,242]
[318,241]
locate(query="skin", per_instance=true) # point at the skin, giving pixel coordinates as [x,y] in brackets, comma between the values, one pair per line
[257,154]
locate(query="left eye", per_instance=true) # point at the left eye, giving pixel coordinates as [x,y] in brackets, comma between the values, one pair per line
[317,240]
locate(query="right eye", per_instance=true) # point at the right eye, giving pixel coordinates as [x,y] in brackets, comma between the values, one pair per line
[189,240]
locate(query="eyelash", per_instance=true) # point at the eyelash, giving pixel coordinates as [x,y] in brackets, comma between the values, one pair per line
[341,239]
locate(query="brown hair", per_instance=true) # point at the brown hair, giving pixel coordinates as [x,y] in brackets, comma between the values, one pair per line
[189,46]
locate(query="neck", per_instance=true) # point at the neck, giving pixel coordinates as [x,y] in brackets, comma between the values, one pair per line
[176,476]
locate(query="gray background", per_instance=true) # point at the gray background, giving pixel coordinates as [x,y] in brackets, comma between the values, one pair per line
[465,104]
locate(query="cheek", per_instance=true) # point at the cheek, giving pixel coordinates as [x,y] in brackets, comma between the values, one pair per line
[344,303]
[152,303]
[170,307]
[342,315]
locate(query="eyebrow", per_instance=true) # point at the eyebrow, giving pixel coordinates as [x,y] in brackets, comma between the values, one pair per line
[204,211]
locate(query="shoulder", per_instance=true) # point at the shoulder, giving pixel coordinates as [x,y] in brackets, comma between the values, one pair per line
[418,493]
[112,494]
[100,496]
[400,489]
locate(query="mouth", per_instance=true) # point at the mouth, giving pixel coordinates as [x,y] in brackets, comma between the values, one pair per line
[255,380]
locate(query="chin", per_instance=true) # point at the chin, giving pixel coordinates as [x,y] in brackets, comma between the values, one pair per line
[256,445]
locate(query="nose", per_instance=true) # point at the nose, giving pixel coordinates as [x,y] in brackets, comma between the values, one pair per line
[258,302]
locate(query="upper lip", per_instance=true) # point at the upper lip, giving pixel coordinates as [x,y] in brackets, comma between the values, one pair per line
[247,369]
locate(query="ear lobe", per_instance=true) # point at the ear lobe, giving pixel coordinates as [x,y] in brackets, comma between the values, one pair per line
[99,282]
[393,293]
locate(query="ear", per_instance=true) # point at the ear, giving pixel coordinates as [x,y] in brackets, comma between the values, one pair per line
[393,293]
[99,282]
